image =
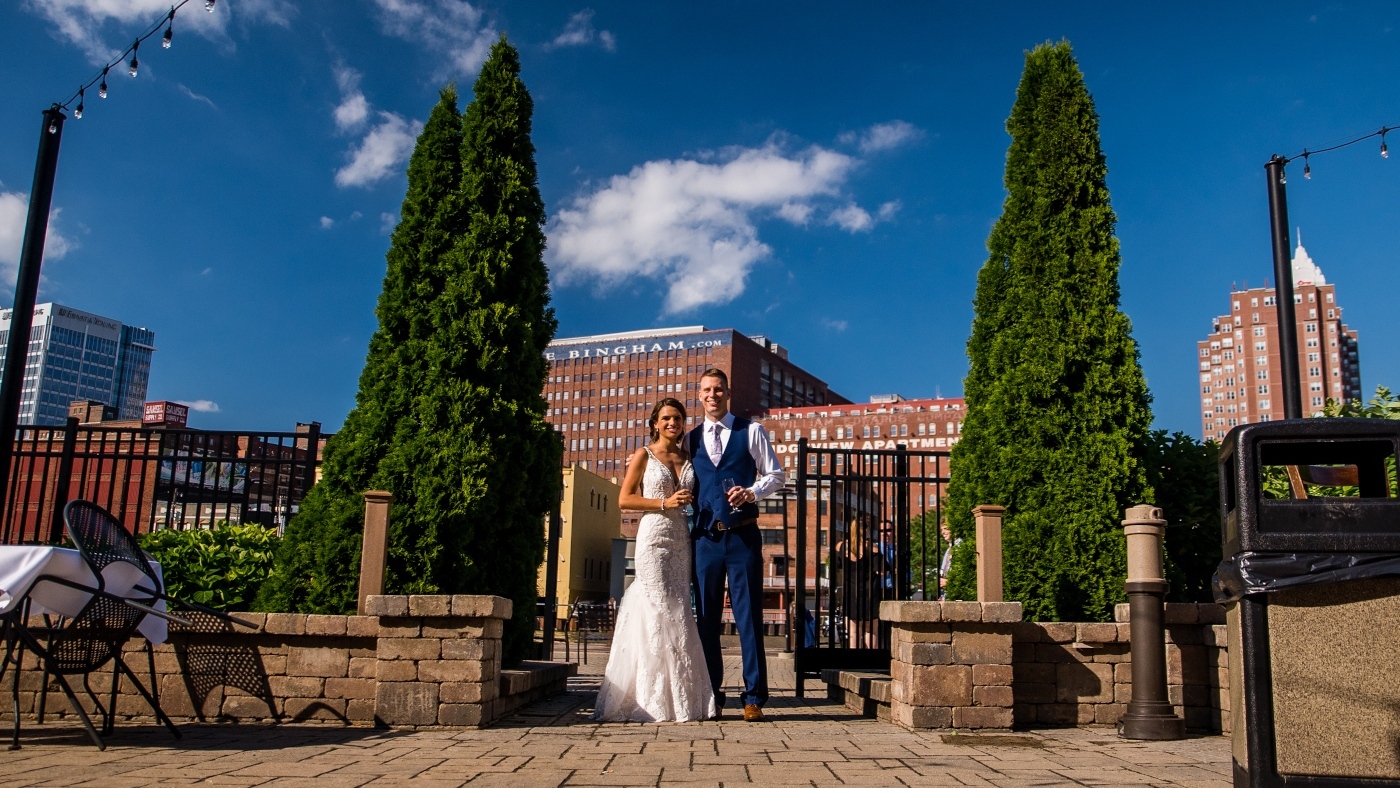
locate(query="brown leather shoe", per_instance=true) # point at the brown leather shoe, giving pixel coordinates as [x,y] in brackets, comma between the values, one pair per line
[752,713]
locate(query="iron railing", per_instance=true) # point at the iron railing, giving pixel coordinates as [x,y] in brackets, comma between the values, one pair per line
[156,478]
[874,536]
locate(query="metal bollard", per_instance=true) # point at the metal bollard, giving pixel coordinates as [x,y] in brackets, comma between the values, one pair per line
[1149,714]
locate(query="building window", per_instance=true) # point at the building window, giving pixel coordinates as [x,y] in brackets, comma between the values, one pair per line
[1263,404]
[865,432]
[1262,374]
[1259,332]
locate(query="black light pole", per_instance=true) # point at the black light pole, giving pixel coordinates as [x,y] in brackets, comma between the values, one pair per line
[1283,289]
[31,258]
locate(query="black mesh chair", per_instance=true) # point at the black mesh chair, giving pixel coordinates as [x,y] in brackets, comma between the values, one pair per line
[96,635]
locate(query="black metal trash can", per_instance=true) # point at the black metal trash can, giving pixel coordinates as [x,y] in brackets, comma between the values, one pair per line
[1310,525]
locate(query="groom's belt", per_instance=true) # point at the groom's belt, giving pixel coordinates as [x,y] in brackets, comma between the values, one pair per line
[720,526]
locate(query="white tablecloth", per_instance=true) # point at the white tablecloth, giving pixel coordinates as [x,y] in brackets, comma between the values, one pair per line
[20,565]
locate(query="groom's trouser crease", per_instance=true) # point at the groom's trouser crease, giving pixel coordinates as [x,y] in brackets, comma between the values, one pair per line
[735,555]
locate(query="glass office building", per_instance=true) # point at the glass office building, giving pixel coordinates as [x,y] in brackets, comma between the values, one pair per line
[75,355]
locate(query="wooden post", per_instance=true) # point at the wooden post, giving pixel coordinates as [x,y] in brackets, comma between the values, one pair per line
[989,586]
[374,550]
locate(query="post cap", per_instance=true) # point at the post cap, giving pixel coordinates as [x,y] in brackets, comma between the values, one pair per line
[378,496]
[1144,515]
[988,508]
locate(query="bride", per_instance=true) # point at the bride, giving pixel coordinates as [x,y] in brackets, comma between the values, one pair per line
[656,671]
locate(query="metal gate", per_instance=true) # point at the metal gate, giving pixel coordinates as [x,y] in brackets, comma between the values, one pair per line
[867,531]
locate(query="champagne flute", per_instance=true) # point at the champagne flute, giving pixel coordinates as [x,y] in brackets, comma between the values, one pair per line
[729,484]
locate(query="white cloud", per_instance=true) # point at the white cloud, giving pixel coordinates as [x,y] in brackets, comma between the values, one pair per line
[852,218]
[387,222]
[82,22]
[383,149]
[691,223]
[795,212]
[207,271]
[882,136]
[204,406]
[835,325]
[580,32]
[353,109]
[888,210]
[14,211]
[327,222]
[196,96]
[453,29]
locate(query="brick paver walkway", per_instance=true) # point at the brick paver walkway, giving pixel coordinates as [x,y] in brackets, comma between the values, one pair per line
[808,742]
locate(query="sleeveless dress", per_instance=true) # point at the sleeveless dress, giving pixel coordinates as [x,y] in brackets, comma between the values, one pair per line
[656,670]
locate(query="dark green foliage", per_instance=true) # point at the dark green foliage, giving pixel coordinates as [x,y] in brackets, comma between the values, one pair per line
[449,416]
[221,567]
[1185,479]
[1057,408]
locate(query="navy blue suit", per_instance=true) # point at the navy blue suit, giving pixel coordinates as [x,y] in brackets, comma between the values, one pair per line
[736,555]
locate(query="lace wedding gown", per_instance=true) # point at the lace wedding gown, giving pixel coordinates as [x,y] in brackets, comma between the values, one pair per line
[656,671]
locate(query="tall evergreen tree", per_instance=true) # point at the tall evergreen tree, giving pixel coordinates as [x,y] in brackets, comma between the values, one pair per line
[449,416]
[1057,408]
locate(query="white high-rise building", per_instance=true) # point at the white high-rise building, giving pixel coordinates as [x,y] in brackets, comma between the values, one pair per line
[75,355]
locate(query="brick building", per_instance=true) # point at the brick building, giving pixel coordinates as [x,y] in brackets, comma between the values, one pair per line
[1239,372]
[601,388]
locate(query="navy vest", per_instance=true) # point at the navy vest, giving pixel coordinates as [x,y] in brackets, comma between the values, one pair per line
[736,463]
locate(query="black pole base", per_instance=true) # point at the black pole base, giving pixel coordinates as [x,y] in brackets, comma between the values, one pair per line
[1151,721]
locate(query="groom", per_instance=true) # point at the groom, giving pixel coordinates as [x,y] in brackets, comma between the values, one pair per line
[727,542]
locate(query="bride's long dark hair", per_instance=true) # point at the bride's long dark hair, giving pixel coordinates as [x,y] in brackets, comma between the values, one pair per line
[666,402]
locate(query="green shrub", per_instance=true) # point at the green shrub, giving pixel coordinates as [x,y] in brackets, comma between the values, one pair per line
[221,568]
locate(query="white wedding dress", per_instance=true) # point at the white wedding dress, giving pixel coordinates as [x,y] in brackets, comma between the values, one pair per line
[656,671]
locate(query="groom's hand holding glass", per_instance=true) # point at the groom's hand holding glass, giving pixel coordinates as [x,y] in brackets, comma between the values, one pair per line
[738,496]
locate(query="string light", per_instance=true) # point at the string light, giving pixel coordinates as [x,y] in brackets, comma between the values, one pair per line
[1306,154]
[166,23]
[78,113]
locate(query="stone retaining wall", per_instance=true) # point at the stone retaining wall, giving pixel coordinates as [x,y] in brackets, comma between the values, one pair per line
[415,661]
[977,665]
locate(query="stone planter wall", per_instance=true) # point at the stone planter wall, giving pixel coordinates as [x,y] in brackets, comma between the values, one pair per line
[977,665]
[416,661]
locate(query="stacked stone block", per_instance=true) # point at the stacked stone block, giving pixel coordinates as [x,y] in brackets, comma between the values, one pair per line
[426,661]
[439,658]
[977,665]
[951,663]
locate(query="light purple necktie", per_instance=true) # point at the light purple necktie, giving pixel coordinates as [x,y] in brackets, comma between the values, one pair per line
[716,448]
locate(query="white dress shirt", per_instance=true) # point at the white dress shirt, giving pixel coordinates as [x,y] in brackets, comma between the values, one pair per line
[771,476]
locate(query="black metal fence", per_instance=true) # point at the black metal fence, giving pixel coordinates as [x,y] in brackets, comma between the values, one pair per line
[151,479]
[868,530]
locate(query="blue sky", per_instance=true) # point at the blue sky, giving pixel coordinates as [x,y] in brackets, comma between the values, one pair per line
[824,174]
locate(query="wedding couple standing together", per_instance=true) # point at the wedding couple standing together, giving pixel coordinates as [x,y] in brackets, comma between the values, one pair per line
[665,663]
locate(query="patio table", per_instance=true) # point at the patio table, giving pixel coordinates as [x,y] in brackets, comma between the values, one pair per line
[21,565]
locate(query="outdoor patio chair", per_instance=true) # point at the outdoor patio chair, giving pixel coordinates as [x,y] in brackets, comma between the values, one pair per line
[590,621]
[87,642]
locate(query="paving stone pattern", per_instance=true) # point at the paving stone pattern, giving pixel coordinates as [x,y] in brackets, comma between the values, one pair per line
[551,743]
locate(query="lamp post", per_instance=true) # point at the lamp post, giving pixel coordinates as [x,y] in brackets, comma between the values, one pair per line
[31,258]
[1283,289]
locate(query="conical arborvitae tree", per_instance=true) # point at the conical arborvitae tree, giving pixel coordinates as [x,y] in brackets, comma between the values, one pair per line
[449,416]
[1057,408]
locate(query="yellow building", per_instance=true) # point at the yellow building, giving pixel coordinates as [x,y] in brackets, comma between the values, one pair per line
[591,519]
